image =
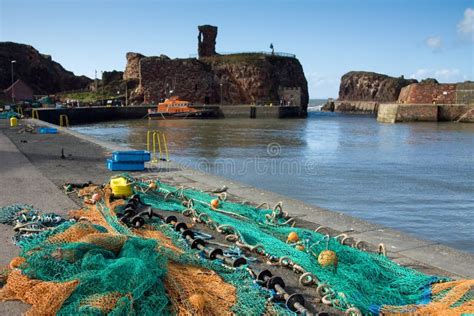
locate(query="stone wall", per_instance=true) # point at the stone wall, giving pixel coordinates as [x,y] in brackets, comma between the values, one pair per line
[414,113]
[207,40]
[289,95]
[396,112]
[465,93]
[428,93]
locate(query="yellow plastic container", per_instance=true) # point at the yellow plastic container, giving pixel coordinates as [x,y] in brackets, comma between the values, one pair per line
[120,187]
[13,121]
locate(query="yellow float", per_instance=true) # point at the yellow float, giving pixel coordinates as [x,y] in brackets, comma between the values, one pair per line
[327,258]
[292,237]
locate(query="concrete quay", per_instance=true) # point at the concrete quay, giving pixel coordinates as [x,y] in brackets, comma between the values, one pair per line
[84,115]
[32,171]
[397,112]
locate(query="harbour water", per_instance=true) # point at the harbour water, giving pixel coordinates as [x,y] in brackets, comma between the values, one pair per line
[417,178]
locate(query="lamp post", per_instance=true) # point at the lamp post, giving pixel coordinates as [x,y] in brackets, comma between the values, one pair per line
[13,76]
[222,97]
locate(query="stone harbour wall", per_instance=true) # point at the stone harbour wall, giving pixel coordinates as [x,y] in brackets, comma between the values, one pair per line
[396,112]
[428,93]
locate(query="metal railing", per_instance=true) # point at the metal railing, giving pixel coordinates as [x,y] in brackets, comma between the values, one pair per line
[280,54]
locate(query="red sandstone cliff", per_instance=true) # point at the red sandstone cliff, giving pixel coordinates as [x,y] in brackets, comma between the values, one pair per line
[371,86]
[225,79]
[40,72]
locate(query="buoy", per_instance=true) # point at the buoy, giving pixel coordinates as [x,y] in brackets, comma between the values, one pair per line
[215,203]
[198,301]
[152,186]
[292,237]
[16,262]
[327,257]
[300,247]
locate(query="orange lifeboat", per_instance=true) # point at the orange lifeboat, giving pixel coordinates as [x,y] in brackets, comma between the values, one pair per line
[174,107]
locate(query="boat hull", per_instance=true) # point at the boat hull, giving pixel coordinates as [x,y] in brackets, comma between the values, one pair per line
[204,114]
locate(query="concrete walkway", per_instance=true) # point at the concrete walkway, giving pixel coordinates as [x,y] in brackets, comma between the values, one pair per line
[21,182]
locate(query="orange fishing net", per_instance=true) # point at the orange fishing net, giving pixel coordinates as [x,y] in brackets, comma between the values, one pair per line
[104,302]
[45,298]
[198,291]
[449,298]
[164,241]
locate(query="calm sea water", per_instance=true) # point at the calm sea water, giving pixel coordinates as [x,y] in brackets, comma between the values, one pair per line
[418,178]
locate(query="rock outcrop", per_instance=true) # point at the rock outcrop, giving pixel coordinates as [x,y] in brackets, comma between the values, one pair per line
[189,79]
[249,78]
[256,78]
[132,70]
[39,71]
[371,86]
[221,79]
[207,40]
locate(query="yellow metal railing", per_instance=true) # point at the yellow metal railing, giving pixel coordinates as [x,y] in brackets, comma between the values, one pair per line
[35,114]
[64,120]
[154,138]
[20,111]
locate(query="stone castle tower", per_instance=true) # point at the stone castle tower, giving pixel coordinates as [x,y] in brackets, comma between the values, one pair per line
[207,40]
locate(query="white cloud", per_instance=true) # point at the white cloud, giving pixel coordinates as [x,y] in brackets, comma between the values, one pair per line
[434,42]
[322,86]
[466,25]
[442,75]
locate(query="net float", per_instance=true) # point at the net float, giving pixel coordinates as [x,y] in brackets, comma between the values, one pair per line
[292,237]
[215,203]
[327,258]
[300,247]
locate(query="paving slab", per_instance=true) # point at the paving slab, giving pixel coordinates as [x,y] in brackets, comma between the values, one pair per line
[444,258]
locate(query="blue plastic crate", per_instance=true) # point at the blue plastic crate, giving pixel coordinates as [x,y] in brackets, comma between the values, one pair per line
[125,166]
[131,155]
[47,130]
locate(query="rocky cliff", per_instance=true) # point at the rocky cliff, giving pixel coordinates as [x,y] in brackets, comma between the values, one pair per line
[371,86]
[39,71]
[248,78]
[219,79]
[255,78]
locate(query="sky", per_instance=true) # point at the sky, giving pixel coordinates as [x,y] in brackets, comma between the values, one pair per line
[413,38]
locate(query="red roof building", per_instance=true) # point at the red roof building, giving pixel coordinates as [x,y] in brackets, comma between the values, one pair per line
[19,91]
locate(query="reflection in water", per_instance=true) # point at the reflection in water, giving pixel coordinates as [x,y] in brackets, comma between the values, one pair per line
[418,178]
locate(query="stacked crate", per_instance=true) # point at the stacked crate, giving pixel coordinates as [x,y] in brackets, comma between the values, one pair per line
[131,160]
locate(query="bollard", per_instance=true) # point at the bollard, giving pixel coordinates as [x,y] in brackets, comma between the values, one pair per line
[35,114]
[13,121]
[63,120]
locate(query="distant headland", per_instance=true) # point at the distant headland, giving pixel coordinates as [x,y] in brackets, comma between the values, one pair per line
[260,78]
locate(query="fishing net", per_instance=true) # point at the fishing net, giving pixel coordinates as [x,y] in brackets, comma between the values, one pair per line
[9,114]
[98,265]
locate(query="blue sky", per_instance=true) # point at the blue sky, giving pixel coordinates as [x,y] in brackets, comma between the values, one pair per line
[429,38]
